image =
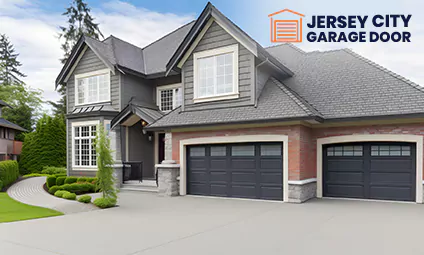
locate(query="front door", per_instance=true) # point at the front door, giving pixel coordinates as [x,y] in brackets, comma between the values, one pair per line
[161,147]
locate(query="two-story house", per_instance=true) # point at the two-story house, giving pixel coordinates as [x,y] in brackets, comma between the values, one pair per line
[247,121]
[9,148]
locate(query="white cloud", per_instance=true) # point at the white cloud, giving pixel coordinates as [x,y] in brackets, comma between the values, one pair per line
[34,34]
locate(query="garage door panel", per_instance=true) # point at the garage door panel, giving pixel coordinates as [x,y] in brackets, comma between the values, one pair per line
[345,177]
[242,164]
[243,177]
[351,191]
[349,165]
[271,178]
[391,193]
[273,164]
[253,170]
[391,165]
[393,178]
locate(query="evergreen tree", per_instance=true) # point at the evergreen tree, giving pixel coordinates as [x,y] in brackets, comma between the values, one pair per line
[10,73]
[80,22]
[106,180]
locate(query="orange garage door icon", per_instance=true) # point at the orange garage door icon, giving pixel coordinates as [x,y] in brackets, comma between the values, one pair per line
[286,30]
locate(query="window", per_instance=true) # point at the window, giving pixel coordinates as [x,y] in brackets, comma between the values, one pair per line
[218,151]
[243,150]
[390,150]
[197,152]
[347,150]
[169,97]
[271,150]
[84,149]
[216,74]
[92,87]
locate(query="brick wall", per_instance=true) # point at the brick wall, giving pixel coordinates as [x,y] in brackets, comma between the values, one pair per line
[302,141]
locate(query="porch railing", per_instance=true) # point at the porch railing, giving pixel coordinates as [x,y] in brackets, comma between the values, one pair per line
[132,171]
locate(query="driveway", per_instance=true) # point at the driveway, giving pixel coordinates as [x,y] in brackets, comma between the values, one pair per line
[147,224]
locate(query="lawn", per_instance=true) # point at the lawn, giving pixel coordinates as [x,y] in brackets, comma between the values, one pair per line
[12,210]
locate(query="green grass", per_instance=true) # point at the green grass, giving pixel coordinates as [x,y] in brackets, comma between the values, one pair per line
[12,210]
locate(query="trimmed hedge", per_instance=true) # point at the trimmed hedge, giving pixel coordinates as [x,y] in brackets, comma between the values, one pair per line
[53,170]
[69,196]
[71,179]
[53,189]
[84,199]
[51,181]
[82,179]
[60,180]
[9,172]
[104,202]
[60,193]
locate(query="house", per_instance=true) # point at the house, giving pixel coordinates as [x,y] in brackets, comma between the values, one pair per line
[9,148]
[246,121]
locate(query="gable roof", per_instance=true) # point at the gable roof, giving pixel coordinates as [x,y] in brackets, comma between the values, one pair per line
[342,84]
[8,124]
[211,12]
[276,103]
[3,103]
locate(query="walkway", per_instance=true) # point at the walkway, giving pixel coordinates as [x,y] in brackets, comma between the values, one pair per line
[30,191]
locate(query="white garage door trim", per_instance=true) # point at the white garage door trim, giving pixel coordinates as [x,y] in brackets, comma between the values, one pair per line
[417,139]
[234,139]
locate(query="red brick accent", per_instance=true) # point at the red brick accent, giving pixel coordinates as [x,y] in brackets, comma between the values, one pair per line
[302,141]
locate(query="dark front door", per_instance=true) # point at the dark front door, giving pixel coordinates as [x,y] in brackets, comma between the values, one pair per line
[253,170]
[384,171]
[161,147]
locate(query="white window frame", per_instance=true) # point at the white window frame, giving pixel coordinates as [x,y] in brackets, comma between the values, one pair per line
[81,124]
[168,87]
[210,53]
[87,75]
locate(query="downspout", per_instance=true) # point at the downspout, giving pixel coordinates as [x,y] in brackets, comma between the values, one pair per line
[256,79]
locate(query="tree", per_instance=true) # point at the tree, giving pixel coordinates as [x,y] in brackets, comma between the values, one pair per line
[106,180]
[46,146]
[10,64]
[80,22]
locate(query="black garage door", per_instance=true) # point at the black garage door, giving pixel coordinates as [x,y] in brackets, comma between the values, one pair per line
[236,170]
[383,171]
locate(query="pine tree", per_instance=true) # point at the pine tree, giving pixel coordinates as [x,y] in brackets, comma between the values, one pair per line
[80,22]
[106,180]
[10,72]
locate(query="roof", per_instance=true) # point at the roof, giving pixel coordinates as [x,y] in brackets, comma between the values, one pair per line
[146,112]
[3,103]
[342,84]
[8,124]
[277,102]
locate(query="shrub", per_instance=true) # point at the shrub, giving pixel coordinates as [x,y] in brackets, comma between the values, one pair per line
[71,179]
[105,173]
[9,172]
[35,175]
[82,179]
[60,180]
[91,179]
[60,175]
[104,202]
[51,181]
[60,193]
[53,170]
[84,199]
[69,196]
[53,189]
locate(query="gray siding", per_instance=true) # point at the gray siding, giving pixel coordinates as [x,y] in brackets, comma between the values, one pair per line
[137,88]
[117,141]
[89,63]
[216,37]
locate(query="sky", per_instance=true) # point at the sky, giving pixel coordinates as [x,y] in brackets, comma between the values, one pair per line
[33,26]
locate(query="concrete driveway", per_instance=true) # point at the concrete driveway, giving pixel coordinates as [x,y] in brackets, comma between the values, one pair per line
[147,224]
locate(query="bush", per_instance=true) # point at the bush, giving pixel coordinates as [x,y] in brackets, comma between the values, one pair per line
[9,172]
[51,181]
[60,180]
[53,189]
[60,193]
[104,202]
[71,179]
[35,175]
[84,199]
[82,179]
[69,196]
[60,175]
[53,170]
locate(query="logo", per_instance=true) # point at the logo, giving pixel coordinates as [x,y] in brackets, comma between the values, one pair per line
[286,30]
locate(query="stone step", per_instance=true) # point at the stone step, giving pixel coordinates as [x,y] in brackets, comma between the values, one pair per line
[139,187]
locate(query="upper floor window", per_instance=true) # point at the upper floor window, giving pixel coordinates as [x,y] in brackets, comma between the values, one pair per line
[93,87]
[169,97]
[216,74]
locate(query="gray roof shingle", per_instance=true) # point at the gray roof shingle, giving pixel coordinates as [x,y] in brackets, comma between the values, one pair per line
[8,124]
[276,102]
